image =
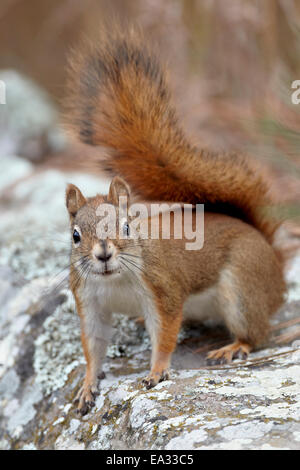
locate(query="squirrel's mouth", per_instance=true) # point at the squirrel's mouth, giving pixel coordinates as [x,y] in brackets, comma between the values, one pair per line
[105,270]
[108,272]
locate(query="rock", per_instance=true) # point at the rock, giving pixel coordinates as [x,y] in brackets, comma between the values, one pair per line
[254,405]
[28,119]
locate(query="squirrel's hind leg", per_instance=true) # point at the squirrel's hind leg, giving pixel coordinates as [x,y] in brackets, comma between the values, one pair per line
[243,307]
[238,349]
[249,291]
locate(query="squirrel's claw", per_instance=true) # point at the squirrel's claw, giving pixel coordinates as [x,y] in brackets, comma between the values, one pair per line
[225,355]
[85,399]
[154,378]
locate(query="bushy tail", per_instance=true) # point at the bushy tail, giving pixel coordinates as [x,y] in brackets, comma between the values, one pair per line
[120,100]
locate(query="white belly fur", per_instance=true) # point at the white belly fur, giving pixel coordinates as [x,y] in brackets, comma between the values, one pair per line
[202,306]
[121,295]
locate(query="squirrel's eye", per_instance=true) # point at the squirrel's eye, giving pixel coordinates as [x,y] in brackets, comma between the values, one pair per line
[126,229]
[76,236]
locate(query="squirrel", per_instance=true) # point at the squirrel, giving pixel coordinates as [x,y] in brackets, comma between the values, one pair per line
[120,100]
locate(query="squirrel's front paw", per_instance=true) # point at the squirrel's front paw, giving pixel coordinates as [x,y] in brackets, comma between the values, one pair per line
[154,378]
[86,398]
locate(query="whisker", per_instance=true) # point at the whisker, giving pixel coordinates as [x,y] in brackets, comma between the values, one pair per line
[130,254]
[128,268]
[134,264]
[144,291]
[77,263]
[131,268]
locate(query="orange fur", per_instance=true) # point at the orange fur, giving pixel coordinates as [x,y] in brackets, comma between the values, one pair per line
[236,266]
[231,351]
[119,99]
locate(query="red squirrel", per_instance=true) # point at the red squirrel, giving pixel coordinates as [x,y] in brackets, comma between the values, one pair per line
[120,100]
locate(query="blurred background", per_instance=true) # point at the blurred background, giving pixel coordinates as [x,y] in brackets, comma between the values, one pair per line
[231,68]
[231,65]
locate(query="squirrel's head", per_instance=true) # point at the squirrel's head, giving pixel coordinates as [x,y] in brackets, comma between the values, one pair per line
[101,241]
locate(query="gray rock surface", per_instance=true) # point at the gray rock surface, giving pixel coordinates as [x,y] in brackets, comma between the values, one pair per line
[28,118]
[253,405]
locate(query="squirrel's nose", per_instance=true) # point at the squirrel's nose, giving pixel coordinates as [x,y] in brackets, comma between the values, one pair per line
[103,251]
[104,257]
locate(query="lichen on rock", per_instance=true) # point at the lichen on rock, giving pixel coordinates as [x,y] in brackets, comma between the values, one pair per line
[253,406]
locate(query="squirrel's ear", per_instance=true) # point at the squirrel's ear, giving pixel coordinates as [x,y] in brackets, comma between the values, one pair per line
[118,187]
[74,199]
